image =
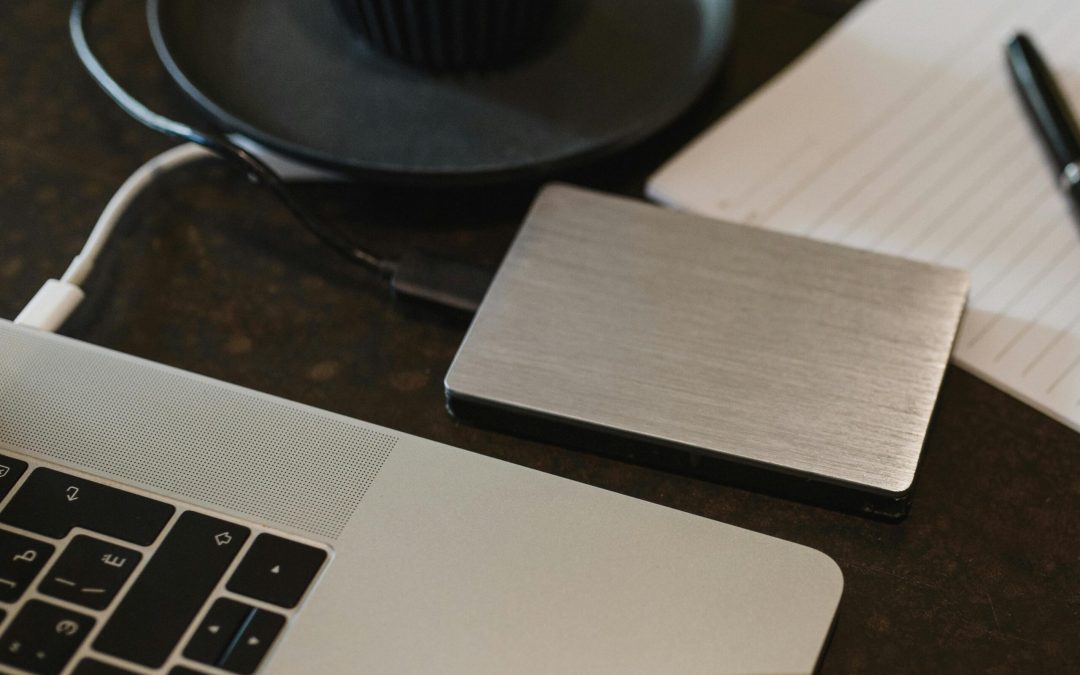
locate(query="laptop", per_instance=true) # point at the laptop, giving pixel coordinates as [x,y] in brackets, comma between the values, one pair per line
[153,520]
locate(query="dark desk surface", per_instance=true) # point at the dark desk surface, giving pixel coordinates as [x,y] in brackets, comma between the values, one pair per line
[208,274]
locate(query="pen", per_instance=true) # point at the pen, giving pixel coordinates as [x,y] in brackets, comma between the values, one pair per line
[1049,111]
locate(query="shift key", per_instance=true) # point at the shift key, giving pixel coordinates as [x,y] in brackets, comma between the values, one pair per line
[51,503]
[171,590]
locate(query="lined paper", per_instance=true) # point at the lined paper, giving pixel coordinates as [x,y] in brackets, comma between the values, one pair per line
[900,133]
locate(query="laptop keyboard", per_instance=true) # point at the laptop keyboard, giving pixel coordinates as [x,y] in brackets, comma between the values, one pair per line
[100,579]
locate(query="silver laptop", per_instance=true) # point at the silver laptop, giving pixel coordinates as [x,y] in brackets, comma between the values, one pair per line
[156,520]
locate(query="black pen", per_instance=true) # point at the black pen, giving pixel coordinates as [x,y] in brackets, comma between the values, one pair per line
[1050,112]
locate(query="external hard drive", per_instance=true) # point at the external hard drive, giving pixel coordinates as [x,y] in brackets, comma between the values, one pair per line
[766,360]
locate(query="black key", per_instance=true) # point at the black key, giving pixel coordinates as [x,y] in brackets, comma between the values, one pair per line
[171,589]
[43,637]
[184,670]
[10,470]
[51,503]
[21,558]
[95,667]
[90,572]
[250,646]
[217,630]
[277,570]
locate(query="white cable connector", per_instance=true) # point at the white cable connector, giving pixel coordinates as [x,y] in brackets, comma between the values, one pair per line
[51,305]
[56,300]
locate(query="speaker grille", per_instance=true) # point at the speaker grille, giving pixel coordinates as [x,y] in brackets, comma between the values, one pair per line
[290,465]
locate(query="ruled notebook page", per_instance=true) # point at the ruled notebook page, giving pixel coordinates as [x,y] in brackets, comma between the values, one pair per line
[901,133]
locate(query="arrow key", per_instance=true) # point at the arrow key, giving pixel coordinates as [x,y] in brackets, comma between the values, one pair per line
[277,570]
[248,650]
[217,630]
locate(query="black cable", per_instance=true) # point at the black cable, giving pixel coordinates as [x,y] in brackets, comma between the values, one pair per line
[217,143]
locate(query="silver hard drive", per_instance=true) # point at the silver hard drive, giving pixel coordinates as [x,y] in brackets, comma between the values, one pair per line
[793,365]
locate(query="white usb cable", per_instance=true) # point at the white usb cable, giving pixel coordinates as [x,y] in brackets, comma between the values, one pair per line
[57,299]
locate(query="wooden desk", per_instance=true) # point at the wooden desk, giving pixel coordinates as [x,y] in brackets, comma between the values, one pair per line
[209,274]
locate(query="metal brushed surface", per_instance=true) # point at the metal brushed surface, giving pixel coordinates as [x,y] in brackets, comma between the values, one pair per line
[736,341]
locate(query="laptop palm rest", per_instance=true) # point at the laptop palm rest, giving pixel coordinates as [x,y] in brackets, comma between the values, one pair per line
[438,559]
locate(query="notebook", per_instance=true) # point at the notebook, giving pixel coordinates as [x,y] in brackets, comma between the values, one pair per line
[900,133]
